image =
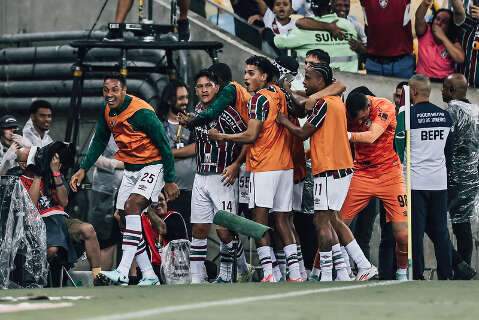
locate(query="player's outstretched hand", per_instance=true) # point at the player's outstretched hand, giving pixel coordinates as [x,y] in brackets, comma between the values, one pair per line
[77,179]
[214,134]
[281,118]
[230,173]
[171,190]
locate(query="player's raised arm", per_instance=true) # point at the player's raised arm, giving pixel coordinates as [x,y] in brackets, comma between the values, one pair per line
[225,98]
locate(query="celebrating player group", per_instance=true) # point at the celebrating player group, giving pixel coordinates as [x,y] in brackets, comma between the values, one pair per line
[256,134]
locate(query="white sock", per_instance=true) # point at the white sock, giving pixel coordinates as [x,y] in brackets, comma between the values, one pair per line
[326,261]
[143,261]
[276,270]
[226,260]
[315,272]
[281,258]
[264,255]
[302,269]
[131,238]
[241,258]
[292,261]
[346,259]
[357,255]
[197,258]
[339,264]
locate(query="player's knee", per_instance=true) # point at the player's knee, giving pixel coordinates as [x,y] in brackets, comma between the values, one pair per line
[200,230]
[281,221]
[400,234]
[87,231]
[322,220]
[135,204]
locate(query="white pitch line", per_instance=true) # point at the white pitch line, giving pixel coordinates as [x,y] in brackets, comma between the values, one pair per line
[236,301]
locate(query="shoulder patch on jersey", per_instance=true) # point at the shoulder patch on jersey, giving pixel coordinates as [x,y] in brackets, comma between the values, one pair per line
[383,116]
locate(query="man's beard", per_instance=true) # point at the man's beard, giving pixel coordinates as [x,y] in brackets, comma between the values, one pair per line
[179,109]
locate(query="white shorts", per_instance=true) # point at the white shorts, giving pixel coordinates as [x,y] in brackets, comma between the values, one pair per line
[147,182]
[298,196]
[272,189]
[243,185]
[209,195]
[329,193]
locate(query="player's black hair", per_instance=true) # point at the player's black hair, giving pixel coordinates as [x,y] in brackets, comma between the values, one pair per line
[355,103]
[364,90]
[325,70]
[116,76]
[222,71]
[322,55]
[37,104]
[265,66]
[207,73]
[402,84]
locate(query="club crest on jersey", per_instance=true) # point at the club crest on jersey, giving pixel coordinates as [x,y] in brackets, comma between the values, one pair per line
[444,54]
[383,3]
[383,116]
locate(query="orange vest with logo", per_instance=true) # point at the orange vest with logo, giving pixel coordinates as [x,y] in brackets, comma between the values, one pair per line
[330,149]
[242,98]
[272,149]
[134,147]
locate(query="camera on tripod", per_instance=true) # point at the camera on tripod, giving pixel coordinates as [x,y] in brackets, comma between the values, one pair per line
[39,158]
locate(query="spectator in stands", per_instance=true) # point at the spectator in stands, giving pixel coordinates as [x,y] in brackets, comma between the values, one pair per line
[37,127]
[62,231]
[430,127]
[175,100]
[106,180]
[123,7]
[387,19]
[276,21]
[439,48]
[462,166]
[341,8]
[470,43]
[10,143]
[342,57]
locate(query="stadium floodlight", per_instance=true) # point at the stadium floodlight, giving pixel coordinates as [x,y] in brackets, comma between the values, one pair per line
[407,117]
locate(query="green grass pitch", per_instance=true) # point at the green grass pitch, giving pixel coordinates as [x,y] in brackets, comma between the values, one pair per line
[311,300]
